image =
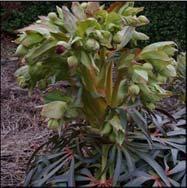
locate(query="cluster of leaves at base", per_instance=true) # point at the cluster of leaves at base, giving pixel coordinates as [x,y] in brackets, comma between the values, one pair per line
[75,157]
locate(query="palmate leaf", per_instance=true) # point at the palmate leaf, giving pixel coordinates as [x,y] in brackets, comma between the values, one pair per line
[155,166]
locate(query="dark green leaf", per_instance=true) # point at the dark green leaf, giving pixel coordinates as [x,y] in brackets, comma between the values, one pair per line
[129,160]
[71,179]
[118,167]
[141,123]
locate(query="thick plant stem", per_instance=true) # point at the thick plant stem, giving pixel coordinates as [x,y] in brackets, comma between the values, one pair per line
[105,149]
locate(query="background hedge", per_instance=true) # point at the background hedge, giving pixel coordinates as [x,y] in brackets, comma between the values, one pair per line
[167,19]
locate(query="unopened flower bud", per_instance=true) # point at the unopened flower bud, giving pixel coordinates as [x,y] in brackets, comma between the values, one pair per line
[117,38]
[134,89]
[84,5]
[143,19]
[60,49]
[72,61]
[139,36]
[92,44]
[52,16]
[147,66]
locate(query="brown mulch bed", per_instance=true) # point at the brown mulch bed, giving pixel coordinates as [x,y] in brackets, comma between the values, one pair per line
[22,130]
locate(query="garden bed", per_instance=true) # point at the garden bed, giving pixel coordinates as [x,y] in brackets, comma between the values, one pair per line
[22,130]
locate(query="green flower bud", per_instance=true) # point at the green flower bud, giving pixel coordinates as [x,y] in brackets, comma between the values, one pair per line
[84,5]
[106,34]
[53,124]
[38,65]
[72,61]
[143,19]
[98,35]
[38,21]
[139,36]
[117,38]
[52,16]
[92,44]
[147,66]
[21,50]
[134,89]
[132,20]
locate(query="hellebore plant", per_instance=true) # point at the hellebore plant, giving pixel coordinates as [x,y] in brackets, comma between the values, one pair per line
[113,87]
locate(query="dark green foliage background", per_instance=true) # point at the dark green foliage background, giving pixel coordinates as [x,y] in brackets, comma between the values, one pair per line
[167,19]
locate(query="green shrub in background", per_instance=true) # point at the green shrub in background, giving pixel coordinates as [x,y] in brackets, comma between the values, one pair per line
[29,12]
[167,19]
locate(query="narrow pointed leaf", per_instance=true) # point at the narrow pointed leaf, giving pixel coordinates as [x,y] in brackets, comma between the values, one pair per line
[117,168]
